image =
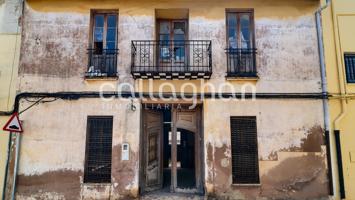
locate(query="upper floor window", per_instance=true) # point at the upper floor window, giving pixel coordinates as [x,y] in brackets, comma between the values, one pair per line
[350,67]
[171,55]
[172,36]
[103,48]
[240,43]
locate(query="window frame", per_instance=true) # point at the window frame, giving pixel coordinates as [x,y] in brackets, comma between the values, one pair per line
[87,149]
[347,68]
[171,38]
[257,183]
[240,11]
[241,62]
[106,13]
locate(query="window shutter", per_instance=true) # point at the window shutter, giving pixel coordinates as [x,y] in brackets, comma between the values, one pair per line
[98,150]
[245,162]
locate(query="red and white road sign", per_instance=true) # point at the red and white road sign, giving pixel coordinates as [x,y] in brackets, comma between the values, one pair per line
[14,124]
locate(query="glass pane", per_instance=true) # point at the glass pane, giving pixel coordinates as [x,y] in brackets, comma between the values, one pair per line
[232,30]
[111,21]
[245,30]
[110,45]
[179,53]
[99,28]
[164,46]
[164,53]
[179,37]
[164,37]
[164,28]
[98,34]
[179,28]
[111,35]
[179,50]
[99,20]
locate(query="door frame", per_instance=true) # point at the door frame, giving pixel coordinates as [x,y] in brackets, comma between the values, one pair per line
[199,151]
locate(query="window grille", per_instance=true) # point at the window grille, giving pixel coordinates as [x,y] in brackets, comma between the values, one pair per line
[98,150]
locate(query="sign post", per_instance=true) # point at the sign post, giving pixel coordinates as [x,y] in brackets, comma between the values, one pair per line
[15,128]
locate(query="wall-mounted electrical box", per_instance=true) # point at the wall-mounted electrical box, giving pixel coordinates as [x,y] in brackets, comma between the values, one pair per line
[125,151]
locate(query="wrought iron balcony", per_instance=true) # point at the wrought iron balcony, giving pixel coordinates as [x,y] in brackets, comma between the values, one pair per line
[241,62]
[102,63]
[183,59]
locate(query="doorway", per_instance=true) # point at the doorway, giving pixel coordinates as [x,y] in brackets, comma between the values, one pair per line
[171,151]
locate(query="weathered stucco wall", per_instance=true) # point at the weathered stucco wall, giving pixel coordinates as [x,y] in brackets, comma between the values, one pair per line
[287,59]
[55,39]
[292,158]
[52,152]
[290,142]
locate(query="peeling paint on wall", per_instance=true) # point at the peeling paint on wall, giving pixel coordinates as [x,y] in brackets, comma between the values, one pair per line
[295,177]
[64,184]
[55,40]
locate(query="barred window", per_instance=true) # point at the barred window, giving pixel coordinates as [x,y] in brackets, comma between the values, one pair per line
[98,150]
[245,163]
[350,67]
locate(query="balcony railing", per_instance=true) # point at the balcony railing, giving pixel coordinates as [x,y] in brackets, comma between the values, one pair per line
[184,59]
[241,62]
[102,63]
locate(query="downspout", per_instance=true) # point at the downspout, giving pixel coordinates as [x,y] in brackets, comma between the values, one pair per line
[343,101]
[329,140]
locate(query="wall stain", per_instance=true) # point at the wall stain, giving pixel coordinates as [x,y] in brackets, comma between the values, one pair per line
[311,143]
[124,173]
[314,140]
[296,178]
[63,182]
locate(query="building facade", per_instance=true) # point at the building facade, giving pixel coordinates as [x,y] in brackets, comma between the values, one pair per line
[338,30]
[102,76]
[10,40]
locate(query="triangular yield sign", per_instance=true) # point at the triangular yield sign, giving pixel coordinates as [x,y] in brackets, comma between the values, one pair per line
[14,124]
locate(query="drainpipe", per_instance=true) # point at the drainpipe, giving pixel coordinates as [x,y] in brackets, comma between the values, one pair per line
[329,139]
[343,101]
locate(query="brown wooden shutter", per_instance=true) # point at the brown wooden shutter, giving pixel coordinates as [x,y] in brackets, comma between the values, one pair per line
[245,162]
[98,150]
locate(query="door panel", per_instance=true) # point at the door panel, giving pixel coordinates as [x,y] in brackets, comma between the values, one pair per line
[153,127]
[187,120]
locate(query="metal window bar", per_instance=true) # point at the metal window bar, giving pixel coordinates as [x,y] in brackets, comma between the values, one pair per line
[245,162]
[350,67]
[241,62]
[98,150]
[102,63]
[171,56]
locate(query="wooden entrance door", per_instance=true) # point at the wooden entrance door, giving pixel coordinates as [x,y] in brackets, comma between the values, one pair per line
[188,120]
[153,129]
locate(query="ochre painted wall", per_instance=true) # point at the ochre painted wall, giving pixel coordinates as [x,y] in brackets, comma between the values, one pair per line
[10,40]
[339,32]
